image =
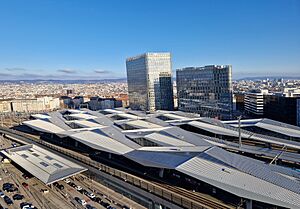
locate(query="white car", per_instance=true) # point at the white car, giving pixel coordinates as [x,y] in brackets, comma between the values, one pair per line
[82,201]
[45,191]
[91,195]
[28,206]
[78,188]
[67,181]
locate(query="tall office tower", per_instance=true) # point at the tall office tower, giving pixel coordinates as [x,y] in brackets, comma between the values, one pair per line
[205,90]
[149,76]
[282,108]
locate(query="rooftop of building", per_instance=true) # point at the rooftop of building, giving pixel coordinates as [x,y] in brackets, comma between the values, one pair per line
[148,54]
[207,67]
[46,166]
[119,130]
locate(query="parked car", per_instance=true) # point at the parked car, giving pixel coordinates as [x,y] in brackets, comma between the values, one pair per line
[60,186]
[25,185]
[104,204]
[78,188]
[90,207]
[27,176]
[91,195]
[45,191]
[80,201]
[8,201]
[7,185]
[12,189]
[2,194]
[22,204]
[26,205]
[97,199]
[18,197]
[72,184]
[67,181]
[83,191]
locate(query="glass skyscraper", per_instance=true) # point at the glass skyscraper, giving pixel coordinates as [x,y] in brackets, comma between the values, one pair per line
[166,101]
[149,78]
[205,90]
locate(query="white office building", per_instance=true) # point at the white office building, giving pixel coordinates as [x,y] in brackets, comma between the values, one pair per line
[254,102]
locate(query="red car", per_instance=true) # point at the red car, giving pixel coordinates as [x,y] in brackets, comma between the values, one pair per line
[25,185]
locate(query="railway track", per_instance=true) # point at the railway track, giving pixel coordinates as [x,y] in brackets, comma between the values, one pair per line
[196,197]
[179,196]
[263,145]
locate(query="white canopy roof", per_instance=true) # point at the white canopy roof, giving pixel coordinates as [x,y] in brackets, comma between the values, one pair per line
[82,116]
[41,116]
[160,138]
[190,154]
[142,124]
[279,129]
[239,183]
[43,126]
[46,166]
[101,142]
[86,124]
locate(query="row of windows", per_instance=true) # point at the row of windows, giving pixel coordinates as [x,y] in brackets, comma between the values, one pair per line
[42,163]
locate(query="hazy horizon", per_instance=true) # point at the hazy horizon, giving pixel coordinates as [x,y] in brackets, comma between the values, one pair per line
[84,40]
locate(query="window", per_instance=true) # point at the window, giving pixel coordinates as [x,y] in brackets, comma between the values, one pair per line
[57,165]
[44,164]
[34,154]
[48,157]
[24,156]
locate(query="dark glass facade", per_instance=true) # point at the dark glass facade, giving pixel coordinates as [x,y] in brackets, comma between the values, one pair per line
[283,109]
[205,90]
[143,78]
[166,92]
[137,83]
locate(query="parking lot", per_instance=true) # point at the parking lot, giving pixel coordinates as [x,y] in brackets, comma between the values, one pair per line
[77,192]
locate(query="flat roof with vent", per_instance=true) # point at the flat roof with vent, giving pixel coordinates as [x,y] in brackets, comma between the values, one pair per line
[44,165]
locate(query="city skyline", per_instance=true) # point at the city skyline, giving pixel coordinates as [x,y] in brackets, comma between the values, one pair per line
[150,104]
[92,40]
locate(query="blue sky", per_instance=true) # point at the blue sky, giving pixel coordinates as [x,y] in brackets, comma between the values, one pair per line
[71,39]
